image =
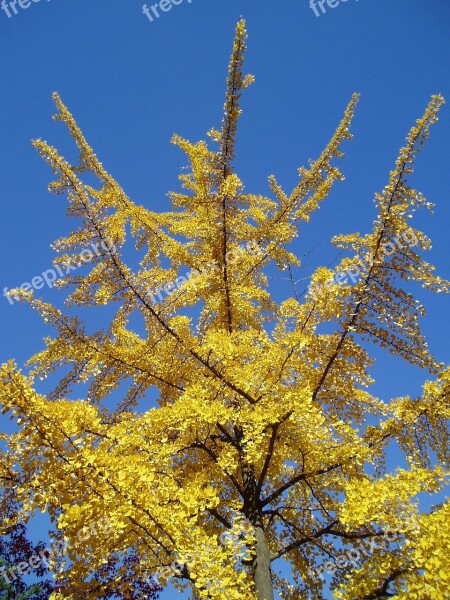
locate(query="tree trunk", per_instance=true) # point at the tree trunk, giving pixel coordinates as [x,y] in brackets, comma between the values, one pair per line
[252,510]
[261,564]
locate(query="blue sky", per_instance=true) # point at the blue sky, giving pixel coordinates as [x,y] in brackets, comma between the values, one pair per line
[131,83]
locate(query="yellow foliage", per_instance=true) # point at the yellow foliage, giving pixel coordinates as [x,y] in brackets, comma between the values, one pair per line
[226,406]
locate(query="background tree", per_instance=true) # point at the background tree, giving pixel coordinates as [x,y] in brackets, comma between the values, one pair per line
[15,553]
[265,446]
[16,548]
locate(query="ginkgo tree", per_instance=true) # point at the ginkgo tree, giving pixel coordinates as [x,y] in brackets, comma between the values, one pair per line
[262,456]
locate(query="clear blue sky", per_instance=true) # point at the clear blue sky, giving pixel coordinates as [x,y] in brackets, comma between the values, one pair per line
[131,83]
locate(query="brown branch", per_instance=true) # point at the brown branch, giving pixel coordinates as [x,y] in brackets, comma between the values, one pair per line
[302,541]
[297,479]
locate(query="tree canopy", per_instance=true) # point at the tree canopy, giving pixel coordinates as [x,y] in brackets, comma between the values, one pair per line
[261,465]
